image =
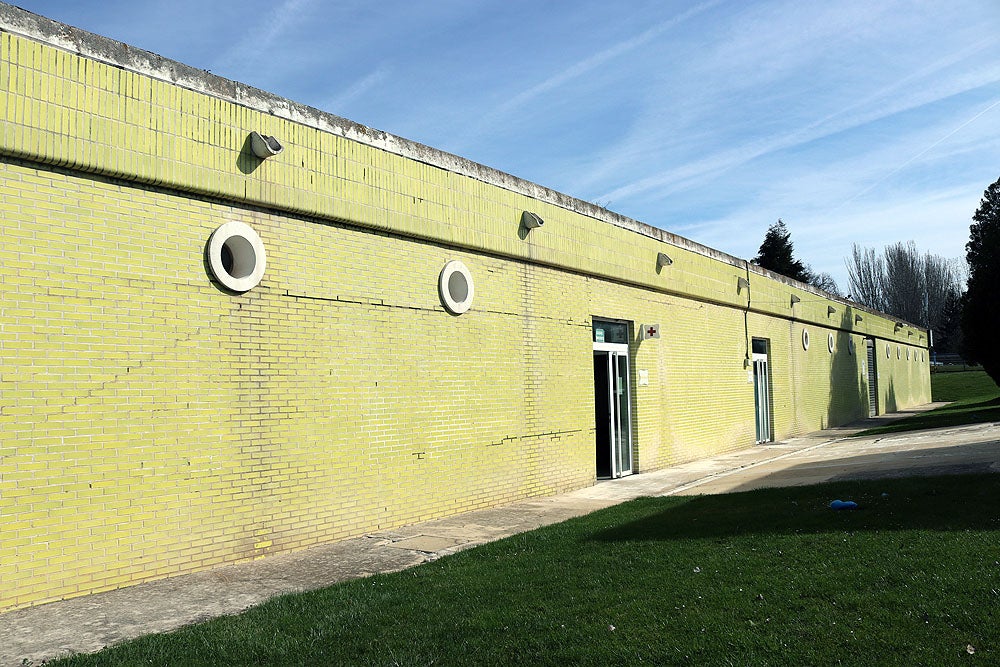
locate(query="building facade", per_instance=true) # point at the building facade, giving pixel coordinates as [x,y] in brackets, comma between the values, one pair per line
[232,326]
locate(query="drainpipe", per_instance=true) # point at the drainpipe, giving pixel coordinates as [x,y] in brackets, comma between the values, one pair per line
[746,319]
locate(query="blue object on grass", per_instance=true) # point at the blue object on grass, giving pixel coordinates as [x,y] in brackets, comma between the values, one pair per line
[843,505]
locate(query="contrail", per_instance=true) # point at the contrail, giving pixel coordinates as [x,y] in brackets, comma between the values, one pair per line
[917,156]
[589,63]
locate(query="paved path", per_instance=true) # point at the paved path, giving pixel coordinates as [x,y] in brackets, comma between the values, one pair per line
[87,624]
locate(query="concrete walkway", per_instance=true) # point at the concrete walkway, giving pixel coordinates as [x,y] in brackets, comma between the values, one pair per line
[87,624]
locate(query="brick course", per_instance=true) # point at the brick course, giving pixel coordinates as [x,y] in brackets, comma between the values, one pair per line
[153,423]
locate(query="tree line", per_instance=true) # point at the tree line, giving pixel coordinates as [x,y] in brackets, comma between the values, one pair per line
[924,289]
[957,298]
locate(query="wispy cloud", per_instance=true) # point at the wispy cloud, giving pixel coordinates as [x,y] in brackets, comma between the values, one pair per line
[853,121]
[927,85]
[261,32]
[598,59]
[586,65]
[342,101]
[922,152]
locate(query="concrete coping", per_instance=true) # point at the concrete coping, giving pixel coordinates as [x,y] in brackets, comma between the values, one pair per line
[38,28]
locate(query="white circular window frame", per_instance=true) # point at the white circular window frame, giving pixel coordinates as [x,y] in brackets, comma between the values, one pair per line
[450,283]
[246,249]
[829,342]
[805,339]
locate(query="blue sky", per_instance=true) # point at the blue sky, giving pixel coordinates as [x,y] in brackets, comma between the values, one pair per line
[853,121]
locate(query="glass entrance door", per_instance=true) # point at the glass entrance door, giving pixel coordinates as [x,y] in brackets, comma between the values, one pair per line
[612,410]
[762,391]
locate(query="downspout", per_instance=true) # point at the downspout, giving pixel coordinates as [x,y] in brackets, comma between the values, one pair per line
[746,319]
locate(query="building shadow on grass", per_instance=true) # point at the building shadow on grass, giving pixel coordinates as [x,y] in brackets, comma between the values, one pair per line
[939,503]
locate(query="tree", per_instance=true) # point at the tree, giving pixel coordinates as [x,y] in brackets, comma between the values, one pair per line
[949,338]
[902,282]
[775,254]
[824,281]
[866,277]
[943,287]
[980,315]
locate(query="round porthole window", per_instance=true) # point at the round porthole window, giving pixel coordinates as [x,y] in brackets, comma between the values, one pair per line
[236,256]
[850,346]
[456,287]
[805,339]
[829,342]
[888,351]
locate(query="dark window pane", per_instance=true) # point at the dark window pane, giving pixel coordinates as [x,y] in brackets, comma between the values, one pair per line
[610,332]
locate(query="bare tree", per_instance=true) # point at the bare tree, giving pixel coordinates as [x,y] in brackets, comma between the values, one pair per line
[902,282]
[824,281]
[903,287]
[866,274]
[943,281]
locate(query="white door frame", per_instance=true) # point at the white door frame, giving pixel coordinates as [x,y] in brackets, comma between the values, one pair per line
[619,400]
[762,397]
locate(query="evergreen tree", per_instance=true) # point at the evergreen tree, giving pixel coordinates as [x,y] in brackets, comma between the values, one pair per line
[775,254]
[980,315]
[948,337]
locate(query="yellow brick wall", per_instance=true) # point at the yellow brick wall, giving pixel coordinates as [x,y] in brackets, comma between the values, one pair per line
[152,423]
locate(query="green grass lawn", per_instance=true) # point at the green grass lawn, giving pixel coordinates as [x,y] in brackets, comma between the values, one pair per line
[976,399]
[767,577]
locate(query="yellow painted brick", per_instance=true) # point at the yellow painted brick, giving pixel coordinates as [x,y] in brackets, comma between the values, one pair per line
[171,426]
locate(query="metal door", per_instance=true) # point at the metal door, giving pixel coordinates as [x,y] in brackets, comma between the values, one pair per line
[872,378]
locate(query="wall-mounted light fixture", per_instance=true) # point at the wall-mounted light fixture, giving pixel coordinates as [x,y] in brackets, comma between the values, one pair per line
[899,325]
[742,284]
[858,319]
[795,300]
[662,260]
[830,310]
[264,146]
[531,220]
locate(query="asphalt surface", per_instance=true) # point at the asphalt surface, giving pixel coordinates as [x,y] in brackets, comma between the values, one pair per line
[87,624]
